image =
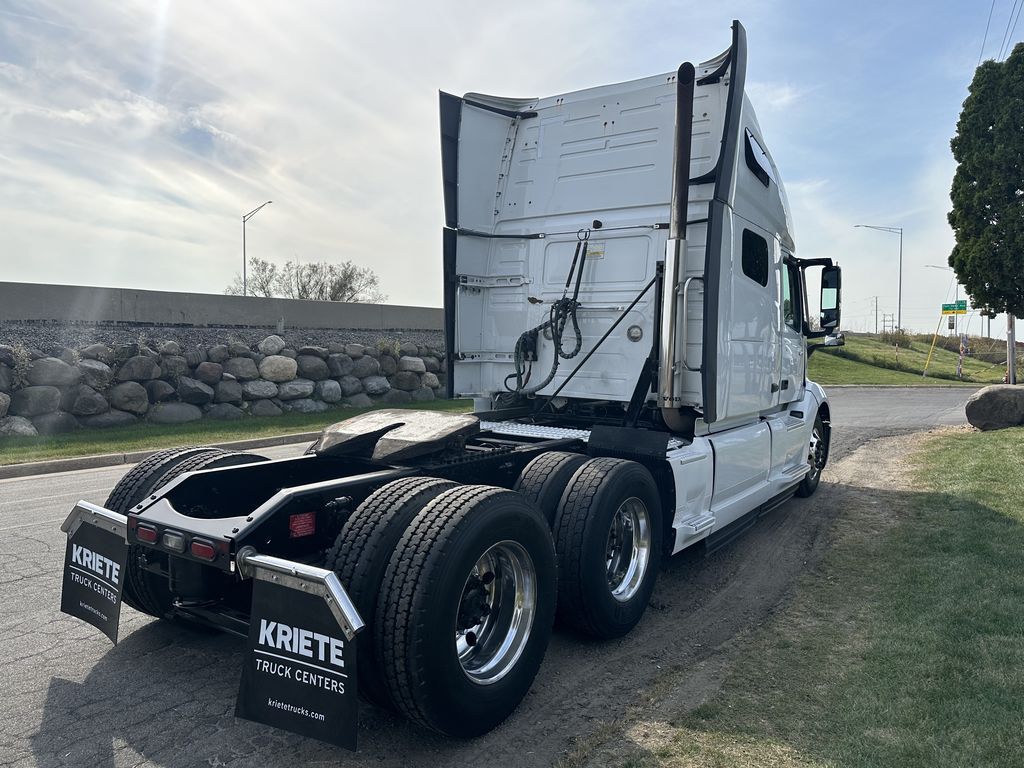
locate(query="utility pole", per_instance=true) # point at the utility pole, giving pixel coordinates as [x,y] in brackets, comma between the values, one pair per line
[245,218]
[876,313]
[1011,349]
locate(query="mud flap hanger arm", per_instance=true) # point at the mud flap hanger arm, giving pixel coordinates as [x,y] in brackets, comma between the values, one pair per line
[306,578]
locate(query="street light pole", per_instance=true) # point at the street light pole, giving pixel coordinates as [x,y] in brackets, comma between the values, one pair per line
[899,289]
[245,218]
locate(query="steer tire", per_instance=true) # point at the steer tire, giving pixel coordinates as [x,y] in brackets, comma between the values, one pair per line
[360,557]
[587,600]
[817,459]
[544,479]
[427,587]
[143,590]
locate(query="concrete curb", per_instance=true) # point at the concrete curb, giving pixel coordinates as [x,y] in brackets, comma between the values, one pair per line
[31,468]
[964,387]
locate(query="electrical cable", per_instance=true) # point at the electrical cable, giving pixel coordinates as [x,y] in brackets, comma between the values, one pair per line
[985,38]
[1009,40]
[1006,32]
[562,313]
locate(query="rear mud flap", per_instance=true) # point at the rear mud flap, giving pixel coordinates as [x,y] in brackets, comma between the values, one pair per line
[94,566]
[299,672]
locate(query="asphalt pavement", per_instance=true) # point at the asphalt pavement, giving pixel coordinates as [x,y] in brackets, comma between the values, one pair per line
[69,699]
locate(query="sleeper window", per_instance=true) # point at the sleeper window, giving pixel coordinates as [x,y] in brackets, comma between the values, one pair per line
[755,257]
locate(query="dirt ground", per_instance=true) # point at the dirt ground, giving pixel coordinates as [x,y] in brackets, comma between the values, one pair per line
[165,697]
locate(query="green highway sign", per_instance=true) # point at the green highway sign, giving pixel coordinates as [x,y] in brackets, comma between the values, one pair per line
[958,308]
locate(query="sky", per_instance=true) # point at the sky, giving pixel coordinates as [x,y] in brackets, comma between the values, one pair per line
[134,135]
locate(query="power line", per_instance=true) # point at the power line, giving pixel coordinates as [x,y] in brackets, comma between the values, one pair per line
[987,24]
[1009,23]
[1009,40]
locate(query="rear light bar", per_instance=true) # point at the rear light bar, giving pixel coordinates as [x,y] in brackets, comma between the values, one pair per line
[146,533]
[204,550]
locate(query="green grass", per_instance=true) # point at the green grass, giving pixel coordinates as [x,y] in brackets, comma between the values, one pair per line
[142,437]
[905,648]
[870,351]
[826,369]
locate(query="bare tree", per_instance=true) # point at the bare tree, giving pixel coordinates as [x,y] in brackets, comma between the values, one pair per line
[263,278]
[316,281]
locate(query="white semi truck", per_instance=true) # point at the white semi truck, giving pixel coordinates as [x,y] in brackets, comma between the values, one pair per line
[625,306]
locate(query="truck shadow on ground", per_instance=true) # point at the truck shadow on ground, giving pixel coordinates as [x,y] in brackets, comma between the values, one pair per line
[167,694]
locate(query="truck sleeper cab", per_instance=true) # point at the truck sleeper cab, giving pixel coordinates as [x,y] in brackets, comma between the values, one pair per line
[624,303]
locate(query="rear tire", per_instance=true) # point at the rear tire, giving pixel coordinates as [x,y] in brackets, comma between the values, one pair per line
[145,591]
[360,557]
[544,479]
[466,608]
[608,539]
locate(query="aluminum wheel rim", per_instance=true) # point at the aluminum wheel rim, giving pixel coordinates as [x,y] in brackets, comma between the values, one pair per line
[628,551]
[489,641]
[816,453]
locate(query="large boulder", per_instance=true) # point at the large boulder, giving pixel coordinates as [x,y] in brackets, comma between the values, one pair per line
[129,396]
[375,385]
[278,368]
[259,389]
[395,397]
[430,380]
[306,405]
[5,404]
[224,412]
[406,380]
[264,408]
[195,356]
[365,366]
[312,367]
[409,349]
[228,391]
[328,390]
[209,373]
[17,426]
[218,353]
[160,391]
[413,364]
[293,390]
[388,365]
[996,407]
[194,391]
[169,348]
[320,352]
[339,364]
[238,349]
[272,345]
[360,400]
[55,423]
[350,385]
[112,418]
[174,413]
[138,368]
[355,351]
[6,378]
[423,394]
[100,352]
[52,372]
[88,402]
[172,367]
[242,368]
[34,401]
[95,373]
[7,356]
[432,364]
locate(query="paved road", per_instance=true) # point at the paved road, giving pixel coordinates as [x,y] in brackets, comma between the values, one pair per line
[165,696]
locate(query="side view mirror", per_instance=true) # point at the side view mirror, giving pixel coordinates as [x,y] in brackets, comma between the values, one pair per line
[831,285]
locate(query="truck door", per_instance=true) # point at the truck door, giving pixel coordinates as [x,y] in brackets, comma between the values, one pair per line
[793,347]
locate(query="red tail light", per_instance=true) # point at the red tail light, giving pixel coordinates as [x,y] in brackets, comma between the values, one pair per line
[203,549]
[146,533]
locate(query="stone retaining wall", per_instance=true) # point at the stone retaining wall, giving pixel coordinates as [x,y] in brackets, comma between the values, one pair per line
[105,386]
